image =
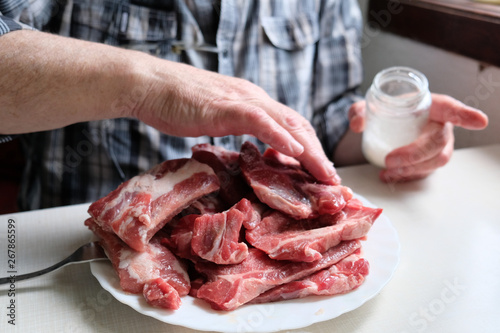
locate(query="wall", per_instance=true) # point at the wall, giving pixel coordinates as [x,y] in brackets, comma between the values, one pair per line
[467,80]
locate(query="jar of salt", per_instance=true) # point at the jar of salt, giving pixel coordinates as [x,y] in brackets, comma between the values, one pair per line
[397,108]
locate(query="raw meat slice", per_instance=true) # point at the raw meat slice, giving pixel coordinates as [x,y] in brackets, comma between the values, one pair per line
[161,294]
[230,286]
[216,237]
[225,164]
[180,238]
[155,272]
[259,210]
[275,155]
[289,188]
[209,204]
[213,237]
[195,285]
[346,275]
[141,206]
[179,230]
[228,158]
[284,238]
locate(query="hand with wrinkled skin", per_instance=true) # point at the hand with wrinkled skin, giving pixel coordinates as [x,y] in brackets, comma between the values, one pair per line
[434,147]
[207,103]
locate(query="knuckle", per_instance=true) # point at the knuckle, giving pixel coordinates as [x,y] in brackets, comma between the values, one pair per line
[253,113]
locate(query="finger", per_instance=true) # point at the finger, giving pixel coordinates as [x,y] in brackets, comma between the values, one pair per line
[272,133]
[447,109]
[430,143]
[357,116]
[287,132]
[275,124]
[255,121]
[418,170]
[313,157]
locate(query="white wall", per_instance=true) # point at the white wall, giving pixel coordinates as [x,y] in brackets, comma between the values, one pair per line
[448,73]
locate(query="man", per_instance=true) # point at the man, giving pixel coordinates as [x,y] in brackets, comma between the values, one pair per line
[94,102]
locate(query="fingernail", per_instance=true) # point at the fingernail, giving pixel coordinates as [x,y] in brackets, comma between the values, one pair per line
[331,172]
[295,148]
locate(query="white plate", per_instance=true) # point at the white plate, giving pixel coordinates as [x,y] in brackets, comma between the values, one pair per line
[381,249]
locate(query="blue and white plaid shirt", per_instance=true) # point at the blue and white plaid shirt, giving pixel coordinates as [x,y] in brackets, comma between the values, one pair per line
[304,53]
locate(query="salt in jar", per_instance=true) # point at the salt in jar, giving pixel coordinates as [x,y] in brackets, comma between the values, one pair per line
[397,109]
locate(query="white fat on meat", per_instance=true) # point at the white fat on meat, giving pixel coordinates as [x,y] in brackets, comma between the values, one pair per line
[156,187]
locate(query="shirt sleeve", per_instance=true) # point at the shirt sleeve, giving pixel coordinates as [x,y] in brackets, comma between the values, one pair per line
[11,12]
[332,123]
[338,71]
[8,25]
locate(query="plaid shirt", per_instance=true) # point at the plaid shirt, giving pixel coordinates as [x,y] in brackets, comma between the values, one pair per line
[304,53]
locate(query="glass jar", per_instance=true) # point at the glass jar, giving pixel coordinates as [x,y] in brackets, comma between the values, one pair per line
[397,109]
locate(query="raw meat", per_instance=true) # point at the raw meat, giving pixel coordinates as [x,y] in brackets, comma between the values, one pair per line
[225,164]
[230,286]
[155,272]
[209,204]
[213,237]
[289,188]
[254,228]
[159,293]
[284,238]
[228,158]
[346,275]
[141,206]
[275,155]
[180,238]
[216,237]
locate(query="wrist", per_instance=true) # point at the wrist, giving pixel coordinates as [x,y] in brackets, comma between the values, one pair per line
[153,87]
[124,83]
[129,79]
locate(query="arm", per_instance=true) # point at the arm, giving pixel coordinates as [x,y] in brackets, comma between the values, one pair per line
[49,81]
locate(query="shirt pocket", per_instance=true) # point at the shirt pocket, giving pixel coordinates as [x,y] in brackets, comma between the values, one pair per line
[286,58]
[291,33]
[123,24]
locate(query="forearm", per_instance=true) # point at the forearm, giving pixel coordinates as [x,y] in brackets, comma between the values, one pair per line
[49,81]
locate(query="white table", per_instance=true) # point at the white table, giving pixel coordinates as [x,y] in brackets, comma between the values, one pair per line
[448,279]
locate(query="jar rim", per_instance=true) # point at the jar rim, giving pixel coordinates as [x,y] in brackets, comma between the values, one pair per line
[403,73]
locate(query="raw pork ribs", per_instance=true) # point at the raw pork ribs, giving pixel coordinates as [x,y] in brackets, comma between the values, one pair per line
[232,229]
[141,206]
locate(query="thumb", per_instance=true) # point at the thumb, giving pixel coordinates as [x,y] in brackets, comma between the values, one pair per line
[357,116]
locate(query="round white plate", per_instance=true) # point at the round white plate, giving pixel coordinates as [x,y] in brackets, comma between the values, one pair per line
[381,249]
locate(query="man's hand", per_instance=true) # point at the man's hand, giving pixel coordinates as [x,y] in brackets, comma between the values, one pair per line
[185,101]
[434,146]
